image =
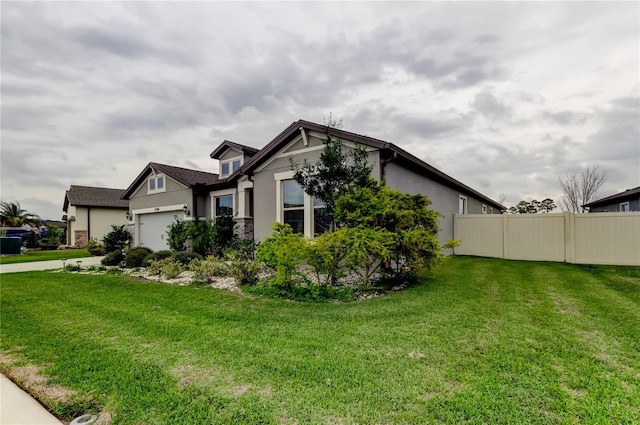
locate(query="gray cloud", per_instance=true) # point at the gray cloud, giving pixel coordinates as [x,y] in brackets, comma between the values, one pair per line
[489,106]
[94,91]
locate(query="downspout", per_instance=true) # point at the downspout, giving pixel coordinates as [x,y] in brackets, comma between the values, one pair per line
[88,224]
[383,165]
[194,201]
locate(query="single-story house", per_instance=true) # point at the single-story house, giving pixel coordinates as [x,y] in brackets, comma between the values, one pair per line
[256,186]
[90,212]
[626,201]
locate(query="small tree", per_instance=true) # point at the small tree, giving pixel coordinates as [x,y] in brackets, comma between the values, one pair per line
[335,172]
[580,189]
[412,225]
[118,238]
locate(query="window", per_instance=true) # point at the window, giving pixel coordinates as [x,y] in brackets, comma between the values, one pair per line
[462,204]
[224,205]
[230,166]
[156,184]
[490,210]
[484,209]
[321,219]
[293,205]
[624,207]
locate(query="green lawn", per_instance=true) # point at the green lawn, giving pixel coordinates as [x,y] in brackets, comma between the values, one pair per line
[483,341]
[30,256]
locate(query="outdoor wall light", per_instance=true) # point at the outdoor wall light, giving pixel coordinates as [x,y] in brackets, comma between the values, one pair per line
[128,215]
[185,209]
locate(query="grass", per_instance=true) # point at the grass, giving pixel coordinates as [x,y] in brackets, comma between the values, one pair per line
[30,256]
[482,341]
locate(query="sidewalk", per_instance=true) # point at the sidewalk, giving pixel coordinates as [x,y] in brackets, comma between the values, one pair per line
[19,408]
[48,265]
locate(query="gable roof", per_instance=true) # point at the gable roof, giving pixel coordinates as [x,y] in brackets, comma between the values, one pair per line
[184,176]
[618,197]
[228,144]
[88,196]
[389,150]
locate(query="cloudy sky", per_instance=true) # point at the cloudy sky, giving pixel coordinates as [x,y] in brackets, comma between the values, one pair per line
[504,97]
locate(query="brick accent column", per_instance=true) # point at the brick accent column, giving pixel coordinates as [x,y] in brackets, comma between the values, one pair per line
[243,227]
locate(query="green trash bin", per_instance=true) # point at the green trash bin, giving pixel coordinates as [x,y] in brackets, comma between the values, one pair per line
[10,246]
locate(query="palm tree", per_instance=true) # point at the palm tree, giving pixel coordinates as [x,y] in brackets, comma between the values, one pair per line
[11,214]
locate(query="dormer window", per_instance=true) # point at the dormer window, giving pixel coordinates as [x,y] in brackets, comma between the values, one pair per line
[156,184]
[230,166]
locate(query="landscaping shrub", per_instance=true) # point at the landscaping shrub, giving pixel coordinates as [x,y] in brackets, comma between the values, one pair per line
[204,270]
[245,248]
[52,241]
[113,258]
[185,257]
[95,248]
[158,255]
[223,236]
[243,270]
[201,233]
[135,257]
[283,251]
[168,267]
[117,238]
[32,240]
[177,235]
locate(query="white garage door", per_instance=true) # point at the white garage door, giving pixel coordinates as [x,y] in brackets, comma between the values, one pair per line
[153,228]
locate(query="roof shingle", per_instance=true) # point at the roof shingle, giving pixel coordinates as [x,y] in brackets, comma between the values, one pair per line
[88,196]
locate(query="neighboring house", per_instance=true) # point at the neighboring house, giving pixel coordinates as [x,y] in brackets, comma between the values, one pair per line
[257,187]
[159,195]
[90,212]
[626,201]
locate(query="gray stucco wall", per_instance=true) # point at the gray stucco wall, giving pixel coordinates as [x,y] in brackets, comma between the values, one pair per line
[264,183]
[175,194]
[230,153]
[443,199]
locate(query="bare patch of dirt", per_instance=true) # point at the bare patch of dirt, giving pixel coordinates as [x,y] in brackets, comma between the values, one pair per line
[104,418]
[30,377]
[239,390]
[417,355]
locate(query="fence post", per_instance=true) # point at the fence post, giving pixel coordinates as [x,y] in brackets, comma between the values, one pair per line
[504,236]
[569,237]
[455,231]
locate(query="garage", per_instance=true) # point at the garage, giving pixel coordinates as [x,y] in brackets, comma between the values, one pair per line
[152,228]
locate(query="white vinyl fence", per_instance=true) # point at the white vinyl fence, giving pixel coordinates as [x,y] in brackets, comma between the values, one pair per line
[597,238]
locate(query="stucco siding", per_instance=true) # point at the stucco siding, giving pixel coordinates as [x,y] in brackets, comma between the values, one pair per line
[265,185]
[175,194]
[95,221]
[103,218]
[444,199]
[230,153]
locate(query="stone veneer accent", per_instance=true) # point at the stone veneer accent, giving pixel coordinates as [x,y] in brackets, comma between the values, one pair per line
[81,238]
[243,227]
